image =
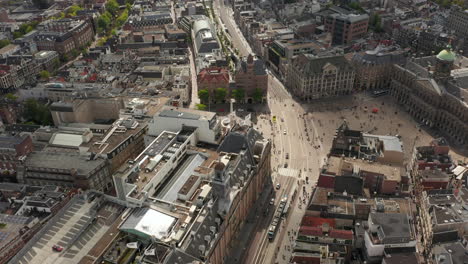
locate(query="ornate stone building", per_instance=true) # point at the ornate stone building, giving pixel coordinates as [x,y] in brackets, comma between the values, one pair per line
[433,90]
[311,77]
[372,67]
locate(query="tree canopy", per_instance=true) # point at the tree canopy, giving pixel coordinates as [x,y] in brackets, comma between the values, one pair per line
[73,9]
[4,42]
[112,6]
[44,74]
[220,94]
[204,95]
[257,95]
[201,107]
[238,94]
[37,112]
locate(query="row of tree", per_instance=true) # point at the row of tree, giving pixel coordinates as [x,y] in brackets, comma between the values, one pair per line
[220,95]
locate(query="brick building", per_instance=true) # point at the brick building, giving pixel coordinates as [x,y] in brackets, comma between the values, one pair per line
[13,149]
[64,35]
[65,169]
[212,78]
[346,27]
[251,75]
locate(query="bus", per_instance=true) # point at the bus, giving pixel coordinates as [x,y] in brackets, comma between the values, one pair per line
[379,93]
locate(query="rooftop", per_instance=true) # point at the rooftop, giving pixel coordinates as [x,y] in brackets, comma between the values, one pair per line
[185,113]
[63,161]
[120,131]
[391,225]
[337,165]
[450,253]
[150,223]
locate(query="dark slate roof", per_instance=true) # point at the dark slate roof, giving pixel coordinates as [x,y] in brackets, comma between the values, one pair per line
[10,142]
[179,257]
[443,237]
[393,227]
[451,251]
[258,67]
[236,141]
[314,65]
[378,59]
[351,184]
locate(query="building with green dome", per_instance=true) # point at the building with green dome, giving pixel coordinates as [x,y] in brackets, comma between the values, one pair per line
[446,55]
[444,63]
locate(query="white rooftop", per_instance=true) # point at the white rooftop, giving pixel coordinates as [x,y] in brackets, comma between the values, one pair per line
[64,139]
[150,222]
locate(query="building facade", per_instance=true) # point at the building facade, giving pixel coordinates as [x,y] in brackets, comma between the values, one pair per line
[312,77]
[65,169]
[372,68]
[433,96]
[250,76]
[346,27]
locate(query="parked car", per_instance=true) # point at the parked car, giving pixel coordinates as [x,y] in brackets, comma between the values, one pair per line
[57,248]
[287,155]
[278,186]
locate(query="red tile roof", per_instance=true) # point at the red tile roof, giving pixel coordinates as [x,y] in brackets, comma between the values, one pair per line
[216,74]
[343,234]
[311,230]
[317,221]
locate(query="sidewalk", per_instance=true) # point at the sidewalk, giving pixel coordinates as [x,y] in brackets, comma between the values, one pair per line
[249,230]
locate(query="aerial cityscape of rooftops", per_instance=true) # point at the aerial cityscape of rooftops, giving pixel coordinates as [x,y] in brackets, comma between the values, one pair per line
[234,132]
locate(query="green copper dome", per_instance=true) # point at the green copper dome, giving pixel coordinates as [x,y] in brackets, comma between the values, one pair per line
[446,54]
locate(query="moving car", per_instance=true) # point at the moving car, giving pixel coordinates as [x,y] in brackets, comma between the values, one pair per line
[287,155]
[284,132]
[272,201]
[57,248]
[278,186]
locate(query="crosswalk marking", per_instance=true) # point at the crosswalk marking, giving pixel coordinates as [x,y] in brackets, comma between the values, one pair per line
[288,172]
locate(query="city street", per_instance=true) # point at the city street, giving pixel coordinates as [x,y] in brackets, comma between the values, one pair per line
[226,15]
[302,137]
[295,156]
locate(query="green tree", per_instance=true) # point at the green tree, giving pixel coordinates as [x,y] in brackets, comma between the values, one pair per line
[204,95]
[56,63]
[238,94]
[11,97]
[201,107]
[17,34]
[257,95]
[73,9]
[220,94]
[64,58]
[104,21]
[37,112]
[75,53]
[4,42]
[356,6]
[44,74]
[101,41]
[112,6]
[122,18]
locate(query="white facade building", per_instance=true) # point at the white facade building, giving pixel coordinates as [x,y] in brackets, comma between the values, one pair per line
[173,119]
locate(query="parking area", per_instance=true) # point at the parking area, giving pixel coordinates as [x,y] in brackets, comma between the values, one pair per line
[75,231]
